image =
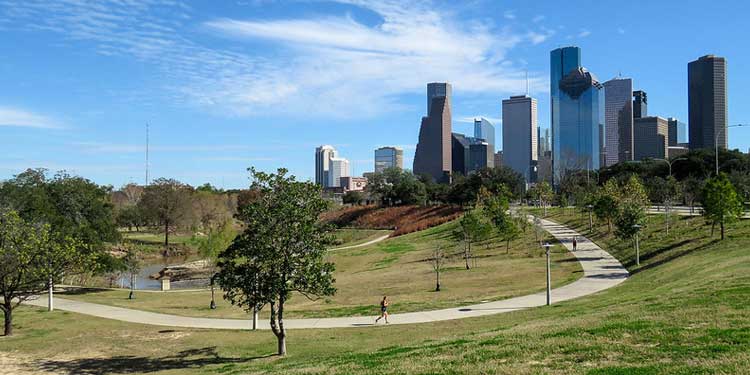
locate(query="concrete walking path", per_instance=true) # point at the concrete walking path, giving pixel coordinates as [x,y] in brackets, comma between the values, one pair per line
[601,271]
[368,243]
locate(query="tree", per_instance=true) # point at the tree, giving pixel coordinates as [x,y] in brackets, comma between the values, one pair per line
[721,204]
[32,258]
[606,203]
[353,197]
[132,266]
[211,245]
[542,192]
[629,221]
[130,216]
[438,260]
[281,250]
[692,189]
[167,201]
[394,186]
[471,229]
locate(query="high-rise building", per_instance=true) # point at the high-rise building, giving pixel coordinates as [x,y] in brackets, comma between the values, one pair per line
[562,61]
[618,120]
[520,150]
[480,155]
[484,129]
[640,104]
[677,132]
[498,159]
[651,138]
[438,90]
[707,102]
[337,168]
[389,157]
[543,141]
[323,155]
[460,154]
[578,122]
[433,154]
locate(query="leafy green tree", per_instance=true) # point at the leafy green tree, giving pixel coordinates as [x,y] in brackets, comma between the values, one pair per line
[281,251]
[71,205]
[721,204]
[129,217]
[167,201]
[132,265]
[542,192]
[633,192]
[629,220]
[606,203]
[471,229]
[692,189]
[210,246]
[33,258]
[397,187]
[353,197]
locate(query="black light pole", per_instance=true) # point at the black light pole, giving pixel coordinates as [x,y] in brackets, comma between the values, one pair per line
[591,219]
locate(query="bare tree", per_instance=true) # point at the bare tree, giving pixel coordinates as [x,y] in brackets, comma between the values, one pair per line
[438,260]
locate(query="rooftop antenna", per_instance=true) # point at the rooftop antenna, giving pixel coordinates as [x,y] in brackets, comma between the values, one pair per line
[147,164]
[527,82]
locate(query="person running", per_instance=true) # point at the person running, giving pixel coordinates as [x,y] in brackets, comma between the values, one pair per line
[575,243]
[383,310]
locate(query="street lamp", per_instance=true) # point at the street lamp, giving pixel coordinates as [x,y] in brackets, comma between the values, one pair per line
[591,219]
[549,278]
[716,143]
[637,245]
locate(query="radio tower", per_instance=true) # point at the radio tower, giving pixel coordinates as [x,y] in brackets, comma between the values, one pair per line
[147,165]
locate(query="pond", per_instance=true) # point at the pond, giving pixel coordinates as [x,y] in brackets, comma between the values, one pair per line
[144,282]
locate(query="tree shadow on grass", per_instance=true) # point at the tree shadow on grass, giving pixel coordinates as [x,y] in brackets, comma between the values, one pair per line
[670,257]
[186,359]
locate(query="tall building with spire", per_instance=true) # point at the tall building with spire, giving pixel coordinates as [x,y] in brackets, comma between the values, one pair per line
[433,154]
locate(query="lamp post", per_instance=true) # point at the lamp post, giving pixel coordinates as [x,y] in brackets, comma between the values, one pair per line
[637,245]
[591,219]
[549,278]
[716,143]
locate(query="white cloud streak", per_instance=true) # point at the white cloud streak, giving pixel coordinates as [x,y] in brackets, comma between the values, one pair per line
[333,66]
[15,117]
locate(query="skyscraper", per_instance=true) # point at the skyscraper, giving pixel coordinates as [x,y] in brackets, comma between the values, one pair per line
[389,157]
[640,104]
[576,112]
[460,154]
[651,138]
[707,102]
[433,154]
[618,120]
[577,122]
[438,90]
[338,167]
[323,155]
[677,132]
[484,129]
[520,135]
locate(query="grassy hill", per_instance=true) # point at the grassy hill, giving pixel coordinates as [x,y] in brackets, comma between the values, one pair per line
[683,311]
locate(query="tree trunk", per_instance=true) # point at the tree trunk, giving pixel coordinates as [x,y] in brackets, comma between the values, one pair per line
[507,247]
[7,312]
[277,326]
[713,225]
[722,230]
[437,281]
[166,235]
[467,251]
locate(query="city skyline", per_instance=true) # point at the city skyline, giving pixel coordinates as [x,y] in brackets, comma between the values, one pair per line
[209,127]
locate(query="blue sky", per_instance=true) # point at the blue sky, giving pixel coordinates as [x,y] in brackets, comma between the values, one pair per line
[232,84]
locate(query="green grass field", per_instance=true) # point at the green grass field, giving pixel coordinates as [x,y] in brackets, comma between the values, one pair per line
[683,311]
[397,267]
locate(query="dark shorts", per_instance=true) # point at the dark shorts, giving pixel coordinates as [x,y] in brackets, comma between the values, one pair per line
[383,309]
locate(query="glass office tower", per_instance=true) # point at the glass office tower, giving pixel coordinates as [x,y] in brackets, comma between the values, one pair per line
[579,121]
[562,61]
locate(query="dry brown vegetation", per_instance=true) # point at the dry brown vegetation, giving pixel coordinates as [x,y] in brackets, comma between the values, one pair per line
[402,219]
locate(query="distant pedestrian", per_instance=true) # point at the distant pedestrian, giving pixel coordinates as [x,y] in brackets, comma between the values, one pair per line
[383,310]
[575,243]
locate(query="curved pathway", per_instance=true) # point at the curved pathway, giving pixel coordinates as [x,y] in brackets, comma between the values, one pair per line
[368,243]
[601,271]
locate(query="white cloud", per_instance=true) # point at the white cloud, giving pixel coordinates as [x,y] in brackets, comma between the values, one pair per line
[538,19]
[584,33]
[333,66]
[509,14]
[620,30]
[16,117]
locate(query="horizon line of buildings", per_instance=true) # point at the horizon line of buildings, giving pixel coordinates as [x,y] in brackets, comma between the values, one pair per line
[592,124]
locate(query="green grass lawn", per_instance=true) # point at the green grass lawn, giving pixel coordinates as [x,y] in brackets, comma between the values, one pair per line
[398,267]
[683,311]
